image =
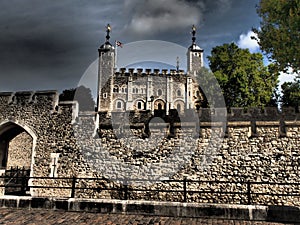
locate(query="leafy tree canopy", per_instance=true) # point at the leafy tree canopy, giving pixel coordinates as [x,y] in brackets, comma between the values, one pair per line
[82,95]
[243,78]
[291,93]
[210,89]
[279,33]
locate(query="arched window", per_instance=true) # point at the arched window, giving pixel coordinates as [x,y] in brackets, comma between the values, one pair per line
[116,89]
[178,108]
[136,90]
[119,105]
[159,92]
[140,105]
[178,92]
[159,106]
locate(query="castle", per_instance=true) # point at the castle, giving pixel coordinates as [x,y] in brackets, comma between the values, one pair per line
[148,90]
[52,139]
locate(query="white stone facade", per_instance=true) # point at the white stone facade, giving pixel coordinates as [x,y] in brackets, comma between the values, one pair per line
[153,90]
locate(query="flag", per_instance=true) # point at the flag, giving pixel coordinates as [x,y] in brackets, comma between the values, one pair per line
[119,44]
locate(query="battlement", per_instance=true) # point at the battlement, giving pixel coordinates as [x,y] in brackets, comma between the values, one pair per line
[147,72]
[41,99]
[219,114]
[34,97]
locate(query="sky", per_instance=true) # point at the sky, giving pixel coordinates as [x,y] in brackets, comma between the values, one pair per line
[48,45]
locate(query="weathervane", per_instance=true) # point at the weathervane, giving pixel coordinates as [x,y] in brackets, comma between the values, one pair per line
[194,34]
[108,29]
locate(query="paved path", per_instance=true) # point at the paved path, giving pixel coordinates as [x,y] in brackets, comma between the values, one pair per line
[42,216]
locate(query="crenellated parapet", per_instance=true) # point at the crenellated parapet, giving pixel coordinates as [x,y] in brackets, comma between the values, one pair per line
[148,72]
[252,122]
[36,103]
[29,97]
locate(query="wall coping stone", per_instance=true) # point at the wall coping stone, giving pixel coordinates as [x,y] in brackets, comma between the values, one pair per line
[292,123]
[267,123]
[174,209]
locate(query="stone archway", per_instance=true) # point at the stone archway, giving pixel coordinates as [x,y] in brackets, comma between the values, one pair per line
[159,105]
[17,144]
[159,108]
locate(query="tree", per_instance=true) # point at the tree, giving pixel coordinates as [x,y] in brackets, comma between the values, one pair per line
[82,95]
[279,33]
[209,89]
[243,78]
[291,93]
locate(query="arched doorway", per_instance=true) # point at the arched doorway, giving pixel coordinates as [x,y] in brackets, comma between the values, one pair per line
[179,106]
[159,108]
[16,156]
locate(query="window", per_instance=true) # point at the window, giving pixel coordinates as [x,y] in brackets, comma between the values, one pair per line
[159,106]
[54,164]
[119,104]
[116,89]
[140,105]
[124,89]
[178,108]
[159,92]
[178,93]
[105,95]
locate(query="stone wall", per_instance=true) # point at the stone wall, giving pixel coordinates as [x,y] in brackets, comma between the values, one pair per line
[248,145]
[49,124]
[19,151]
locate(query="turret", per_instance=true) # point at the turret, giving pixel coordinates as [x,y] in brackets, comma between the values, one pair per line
[194,55]
[105,73]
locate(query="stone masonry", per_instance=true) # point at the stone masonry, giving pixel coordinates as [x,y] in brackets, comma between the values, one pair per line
[254,145]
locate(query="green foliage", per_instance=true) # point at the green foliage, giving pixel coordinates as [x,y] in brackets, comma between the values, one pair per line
[279,34]
[82,95]
[291,93]
[209,88]
[243,78]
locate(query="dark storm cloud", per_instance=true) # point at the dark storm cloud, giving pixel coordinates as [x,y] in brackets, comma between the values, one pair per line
[49,44]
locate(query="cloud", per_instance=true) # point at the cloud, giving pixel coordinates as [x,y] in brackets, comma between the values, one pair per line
[245,41]
[159,15]
[156,16]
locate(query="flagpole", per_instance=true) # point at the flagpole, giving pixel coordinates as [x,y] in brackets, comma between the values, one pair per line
[116,54]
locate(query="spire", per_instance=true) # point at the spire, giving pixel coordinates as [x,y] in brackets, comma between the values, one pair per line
[177,63]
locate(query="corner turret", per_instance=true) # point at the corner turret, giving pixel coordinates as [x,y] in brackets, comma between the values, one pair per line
[106,71]
[194,55]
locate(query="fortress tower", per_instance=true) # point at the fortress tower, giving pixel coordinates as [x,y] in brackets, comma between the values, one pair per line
[158,91]
[105,72]
[194,56]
